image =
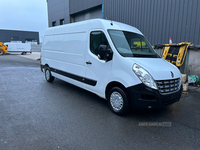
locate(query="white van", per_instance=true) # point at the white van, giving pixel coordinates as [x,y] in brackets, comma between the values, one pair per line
[23,48]
[114,61]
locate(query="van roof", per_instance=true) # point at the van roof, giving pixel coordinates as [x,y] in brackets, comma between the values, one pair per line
[89,25]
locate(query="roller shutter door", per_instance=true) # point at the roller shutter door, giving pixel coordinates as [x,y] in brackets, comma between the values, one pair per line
[97,13]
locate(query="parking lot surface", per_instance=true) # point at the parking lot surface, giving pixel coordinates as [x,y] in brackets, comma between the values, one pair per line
[35,114]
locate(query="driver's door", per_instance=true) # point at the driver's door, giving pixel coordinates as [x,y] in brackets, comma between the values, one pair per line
[97,71]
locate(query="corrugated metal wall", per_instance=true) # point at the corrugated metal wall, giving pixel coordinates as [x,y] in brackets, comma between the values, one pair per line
[157,19]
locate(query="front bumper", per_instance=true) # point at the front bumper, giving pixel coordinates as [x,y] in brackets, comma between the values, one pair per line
[143,97]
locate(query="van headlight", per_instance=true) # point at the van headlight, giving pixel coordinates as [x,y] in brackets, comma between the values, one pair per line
[144,76]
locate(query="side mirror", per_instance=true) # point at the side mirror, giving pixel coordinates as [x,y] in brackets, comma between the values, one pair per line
[104,53]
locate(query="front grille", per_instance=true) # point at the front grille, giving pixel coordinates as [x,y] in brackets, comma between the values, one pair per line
[168,86]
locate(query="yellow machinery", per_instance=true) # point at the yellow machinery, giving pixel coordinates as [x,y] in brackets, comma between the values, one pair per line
[139,44]
[3,49]
[175,53]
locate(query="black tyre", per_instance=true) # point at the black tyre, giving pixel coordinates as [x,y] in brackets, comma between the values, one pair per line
[48,75]
[118,101]
[1,52]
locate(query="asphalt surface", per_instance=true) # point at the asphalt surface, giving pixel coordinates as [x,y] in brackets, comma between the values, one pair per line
[36,115]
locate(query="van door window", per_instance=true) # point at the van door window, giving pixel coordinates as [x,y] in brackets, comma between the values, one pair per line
[97,38]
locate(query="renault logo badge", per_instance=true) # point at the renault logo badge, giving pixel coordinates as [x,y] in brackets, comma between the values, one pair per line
[172,74]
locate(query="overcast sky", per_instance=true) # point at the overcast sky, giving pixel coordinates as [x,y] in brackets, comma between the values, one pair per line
[26,15]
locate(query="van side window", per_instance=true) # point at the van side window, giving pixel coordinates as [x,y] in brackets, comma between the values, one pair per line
[96,39]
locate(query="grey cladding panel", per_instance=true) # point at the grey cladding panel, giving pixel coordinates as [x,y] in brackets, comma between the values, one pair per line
[57,10]
[79,5]
[57,7]
[7,35]
[157,19]
[52,3]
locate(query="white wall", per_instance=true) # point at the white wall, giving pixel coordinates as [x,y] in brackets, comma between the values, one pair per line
[194,63]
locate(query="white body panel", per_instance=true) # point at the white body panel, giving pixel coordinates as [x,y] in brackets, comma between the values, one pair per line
[18,47]
[67,48]
[158,68]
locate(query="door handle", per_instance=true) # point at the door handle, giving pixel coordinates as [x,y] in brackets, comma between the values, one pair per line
[88,63]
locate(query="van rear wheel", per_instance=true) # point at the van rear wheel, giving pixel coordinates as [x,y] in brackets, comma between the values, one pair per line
[118,101]
[48,75]
[23,53]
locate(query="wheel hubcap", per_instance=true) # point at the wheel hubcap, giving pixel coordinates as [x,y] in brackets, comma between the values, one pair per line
[47,74]
[116,101]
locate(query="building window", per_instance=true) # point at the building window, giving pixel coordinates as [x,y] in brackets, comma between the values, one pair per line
[15,38]
[62,21]
[54,24]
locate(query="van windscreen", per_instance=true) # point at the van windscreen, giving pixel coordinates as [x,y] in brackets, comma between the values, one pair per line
[130,44]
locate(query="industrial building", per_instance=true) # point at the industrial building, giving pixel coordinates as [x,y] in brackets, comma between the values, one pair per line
[19,36]
[158,20]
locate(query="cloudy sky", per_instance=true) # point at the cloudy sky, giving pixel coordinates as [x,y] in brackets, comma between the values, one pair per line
[26,15]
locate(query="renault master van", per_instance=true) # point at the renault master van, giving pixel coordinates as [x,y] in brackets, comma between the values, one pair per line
[114,61]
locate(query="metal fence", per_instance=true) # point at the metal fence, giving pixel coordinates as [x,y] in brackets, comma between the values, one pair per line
[36,48]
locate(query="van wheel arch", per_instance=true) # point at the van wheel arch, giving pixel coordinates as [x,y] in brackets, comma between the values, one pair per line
[46,65]
[115,84]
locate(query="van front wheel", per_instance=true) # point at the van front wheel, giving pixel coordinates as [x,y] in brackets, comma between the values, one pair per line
[118,101]
[48,75]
